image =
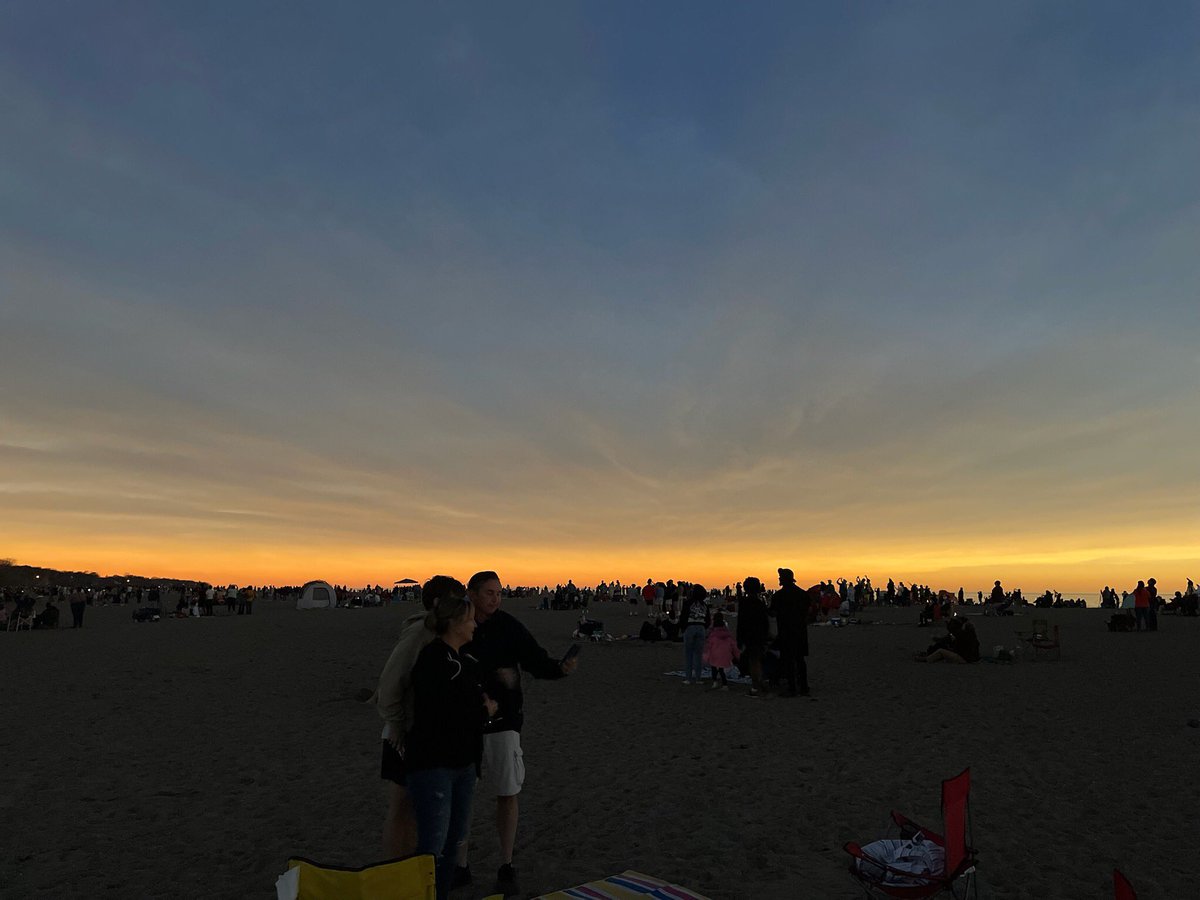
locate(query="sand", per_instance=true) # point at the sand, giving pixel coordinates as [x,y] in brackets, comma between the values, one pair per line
[190,758]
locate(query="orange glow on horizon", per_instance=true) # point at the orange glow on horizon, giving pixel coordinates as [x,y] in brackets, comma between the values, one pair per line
[1078,570]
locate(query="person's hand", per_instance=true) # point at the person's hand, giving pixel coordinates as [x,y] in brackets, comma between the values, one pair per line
[570,665]
[490,705]
[394,737]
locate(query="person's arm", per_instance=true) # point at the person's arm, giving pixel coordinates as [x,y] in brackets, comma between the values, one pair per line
[535,660]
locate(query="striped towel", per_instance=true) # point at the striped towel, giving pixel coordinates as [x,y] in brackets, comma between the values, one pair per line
[626,886]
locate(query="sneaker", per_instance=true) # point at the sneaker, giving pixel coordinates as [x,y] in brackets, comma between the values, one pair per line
[687,681]
[506,881]
[462,877]
[754,693]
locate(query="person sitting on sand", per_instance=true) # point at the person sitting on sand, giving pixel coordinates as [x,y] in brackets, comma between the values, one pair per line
[48,617]
[960,645]
[720,650]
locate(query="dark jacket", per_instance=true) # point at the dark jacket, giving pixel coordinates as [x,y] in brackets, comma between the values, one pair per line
[966,644]
[790,606]
[753,622]
[448,710]
[503,647]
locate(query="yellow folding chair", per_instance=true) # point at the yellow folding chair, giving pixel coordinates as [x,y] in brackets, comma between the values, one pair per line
[411,878]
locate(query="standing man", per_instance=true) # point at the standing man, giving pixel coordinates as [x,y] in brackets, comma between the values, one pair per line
[503,647]
[1152,589]
[790,606]
[78,605]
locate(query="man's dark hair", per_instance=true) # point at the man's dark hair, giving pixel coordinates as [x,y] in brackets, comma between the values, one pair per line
[479,579]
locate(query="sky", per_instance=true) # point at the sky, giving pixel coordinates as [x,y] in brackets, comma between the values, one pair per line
[363,292]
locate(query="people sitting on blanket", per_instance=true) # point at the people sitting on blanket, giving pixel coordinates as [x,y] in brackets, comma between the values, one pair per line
[959,645]
[720,651]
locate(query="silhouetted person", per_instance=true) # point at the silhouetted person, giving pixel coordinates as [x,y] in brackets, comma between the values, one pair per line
[790,606]
[1141,606]
[753,632]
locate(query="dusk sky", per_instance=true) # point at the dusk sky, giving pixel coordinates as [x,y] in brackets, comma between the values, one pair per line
[370,291]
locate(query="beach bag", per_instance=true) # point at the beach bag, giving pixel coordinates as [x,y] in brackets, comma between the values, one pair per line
[922,858]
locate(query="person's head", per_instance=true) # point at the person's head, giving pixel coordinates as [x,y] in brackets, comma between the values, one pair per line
[786,576]
[437,587]
[484,591]
[1153,581]
[997,583]
[752,585]
[1141,584]
[450,616]
[699,593]
[718,621]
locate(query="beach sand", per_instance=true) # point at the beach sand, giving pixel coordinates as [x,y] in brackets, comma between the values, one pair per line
[191,758]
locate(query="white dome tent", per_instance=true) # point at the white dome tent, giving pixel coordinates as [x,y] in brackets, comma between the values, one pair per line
[317,595]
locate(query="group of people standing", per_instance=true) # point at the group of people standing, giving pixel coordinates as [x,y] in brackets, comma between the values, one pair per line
[706,634]
[451,700]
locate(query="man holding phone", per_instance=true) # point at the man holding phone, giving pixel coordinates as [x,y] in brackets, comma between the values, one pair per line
[503,647]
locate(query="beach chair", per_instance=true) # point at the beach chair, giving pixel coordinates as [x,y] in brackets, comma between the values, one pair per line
[1044,639]
[1122,889]
[410,878]
[876,866]
[21,617]
[631,885]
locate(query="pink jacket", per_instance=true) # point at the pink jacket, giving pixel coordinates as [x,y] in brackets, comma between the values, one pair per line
[720,648]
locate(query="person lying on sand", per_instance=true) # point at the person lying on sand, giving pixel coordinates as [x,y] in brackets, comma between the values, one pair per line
[960,645]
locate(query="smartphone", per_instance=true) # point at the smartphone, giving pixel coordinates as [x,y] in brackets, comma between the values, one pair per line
[572,652]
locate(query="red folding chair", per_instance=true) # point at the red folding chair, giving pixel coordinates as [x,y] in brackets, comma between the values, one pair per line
[1122,889]
[879,879]
[1043,639]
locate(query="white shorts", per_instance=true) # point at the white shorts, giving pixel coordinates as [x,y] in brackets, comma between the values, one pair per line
[503,764]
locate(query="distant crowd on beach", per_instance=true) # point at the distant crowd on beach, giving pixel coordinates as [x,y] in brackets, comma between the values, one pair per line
[843,595]
[38,607]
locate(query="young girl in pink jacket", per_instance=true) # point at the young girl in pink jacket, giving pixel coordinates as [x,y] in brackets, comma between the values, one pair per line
[720,650]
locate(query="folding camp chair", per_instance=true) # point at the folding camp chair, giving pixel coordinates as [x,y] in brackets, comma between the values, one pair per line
[957,872]
[1043,639]
[411,878]
[21,617]
[1122,889]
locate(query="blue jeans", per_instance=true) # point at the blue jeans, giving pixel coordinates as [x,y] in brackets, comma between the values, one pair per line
[693,652]
[441,800]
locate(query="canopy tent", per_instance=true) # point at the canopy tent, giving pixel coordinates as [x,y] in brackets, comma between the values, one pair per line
[408,581]
[317,595]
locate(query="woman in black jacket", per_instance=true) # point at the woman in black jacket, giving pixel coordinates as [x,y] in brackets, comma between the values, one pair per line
[443,747]
[753,632]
